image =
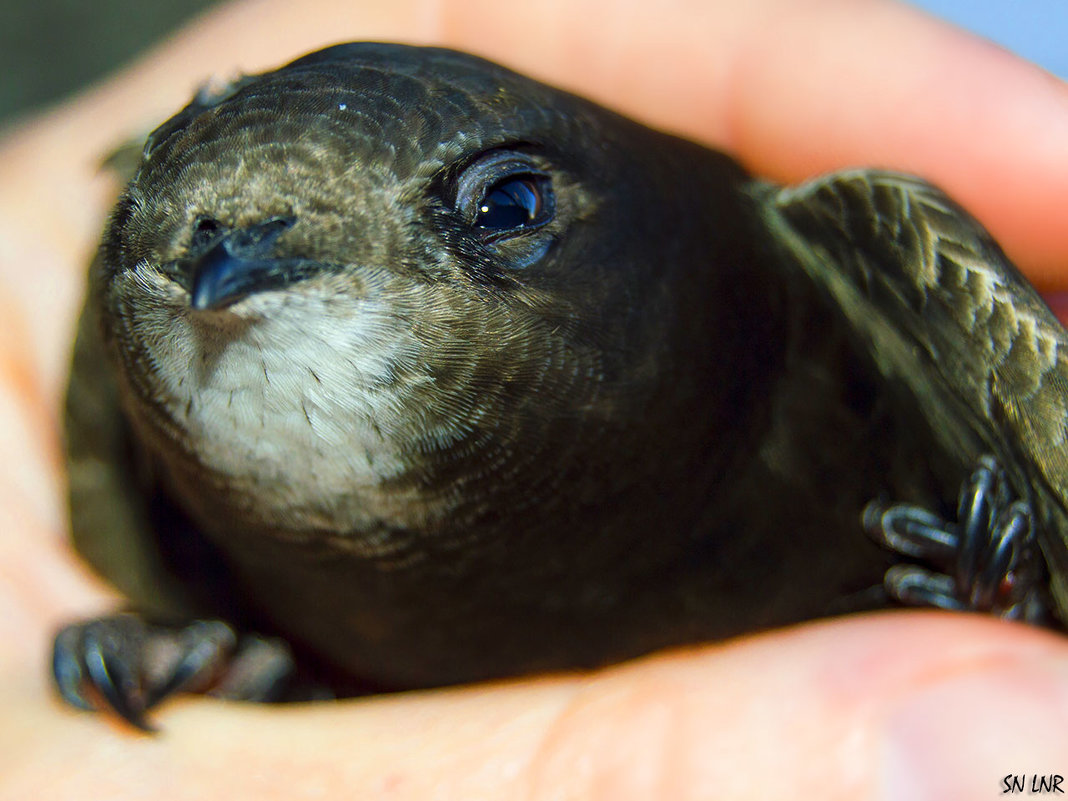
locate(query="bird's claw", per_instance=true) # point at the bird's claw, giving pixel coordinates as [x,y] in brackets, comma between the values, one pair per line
[986,561]
[125,665]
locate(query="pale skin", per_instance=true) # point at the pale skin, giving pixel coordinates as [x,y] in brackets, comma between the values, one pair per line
[908,703]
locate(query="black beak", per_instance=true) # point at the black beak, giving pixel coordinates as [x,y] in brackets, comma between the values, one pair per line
[233,264]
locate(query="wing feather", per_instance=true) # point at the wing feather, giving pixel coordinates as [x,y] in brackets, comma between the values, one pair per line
[947,314]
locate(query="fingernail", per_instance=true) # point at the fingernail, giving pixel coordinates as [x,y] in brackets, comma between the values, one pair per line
[1000,730]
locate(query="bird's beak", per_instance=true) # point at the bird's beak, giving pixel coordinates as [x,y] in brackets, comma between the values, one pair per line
[239,263]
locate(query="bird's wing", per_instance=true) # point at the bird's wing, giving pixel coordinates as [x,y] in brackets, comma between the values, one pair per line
[946,314]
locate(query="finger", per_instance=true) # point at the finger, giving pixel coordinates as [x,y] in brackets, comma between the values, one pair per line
[905,705]
[923,97]
[794,87]
[800,87]
[930,706]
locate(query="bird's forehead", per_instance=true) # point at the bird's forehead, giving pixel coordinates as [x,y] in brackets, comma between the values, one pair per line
[400,119]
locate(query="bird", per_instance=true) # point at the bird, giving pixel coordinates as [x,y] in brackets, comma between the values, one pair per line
[402,365]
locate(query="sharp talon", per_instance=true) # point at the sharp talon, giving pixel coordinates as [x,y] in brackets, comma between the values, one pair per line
[205,646]
[109,675]
[1020,576]
[1003,553]
[914,586]
[911,531]
[123,665]
[987,558]
[974,515]
[67,669]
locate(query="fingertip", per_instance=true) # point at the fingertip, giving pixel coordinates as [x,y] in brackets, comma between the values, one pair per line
[831,84]
[826,710]
[978,733]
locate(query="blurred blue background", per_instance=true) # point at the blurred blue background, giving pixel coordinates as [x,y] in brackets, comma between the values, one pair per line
[49,48]
[1036,29]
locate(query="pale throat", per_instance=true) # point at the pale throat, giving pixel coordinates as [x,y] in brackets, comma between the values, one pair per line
[303,397]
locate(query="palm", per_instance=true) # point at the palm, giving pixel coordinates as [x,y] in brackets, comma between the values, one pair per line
[759,81]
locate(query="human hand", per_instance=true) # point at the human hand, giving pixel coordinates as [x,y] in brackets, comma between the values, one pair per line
[791,87]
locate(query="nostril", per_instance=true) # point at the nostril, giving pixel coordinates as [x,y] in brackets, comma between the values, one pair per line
[205,231]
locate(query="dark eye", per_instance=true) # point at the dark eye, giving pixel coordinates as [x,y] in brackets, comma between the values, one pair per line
[515,202]
[504,194]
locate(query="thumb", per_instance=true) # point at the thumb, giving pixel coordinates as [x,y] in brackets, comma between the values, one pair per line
[908,705]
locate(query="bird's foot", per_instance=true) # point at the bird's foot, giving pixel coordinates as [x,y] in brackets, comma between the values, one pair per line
[127,666]
[987,561]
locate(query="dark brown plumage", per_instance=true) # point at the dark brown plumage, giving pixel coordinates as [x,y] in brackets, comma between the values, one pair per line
[442,374]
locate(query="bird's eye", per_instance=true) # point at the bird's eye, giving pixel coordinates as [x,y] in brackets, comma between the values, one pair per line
[503,194]
[515,202]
